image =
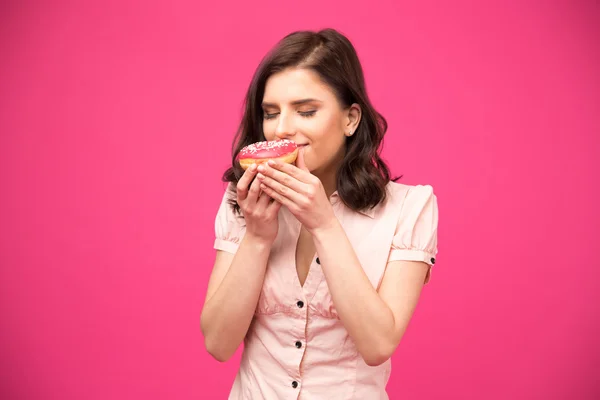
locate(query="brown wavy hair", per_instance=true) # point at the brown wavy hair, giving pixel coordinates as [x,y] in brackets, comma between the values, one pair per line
[362,176]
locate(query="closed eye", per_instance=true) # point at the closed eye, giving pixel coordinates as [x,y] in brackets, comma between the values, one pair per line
[307,114]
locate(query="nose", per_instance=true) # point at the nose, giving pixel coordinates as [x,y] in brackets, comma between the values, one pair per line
[284,130]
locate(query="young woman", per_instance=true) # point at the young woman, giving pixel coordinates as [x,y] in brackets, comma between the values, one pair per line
[320,264]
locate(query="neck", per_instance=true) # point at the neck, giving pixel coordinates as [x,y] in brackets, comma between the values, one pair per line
[328,180]
[328,176]
[329,184]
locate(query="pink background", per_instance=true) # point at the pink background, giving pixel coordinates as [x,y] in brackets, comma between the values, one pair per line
[115,126]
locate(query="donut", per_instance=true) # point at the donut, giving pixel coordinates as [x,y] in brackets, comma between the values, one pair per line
[260,152]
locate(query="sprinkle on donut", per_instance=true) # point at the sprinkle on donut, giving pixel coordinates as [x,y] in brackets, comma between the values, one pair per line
[256,153]
[267,149]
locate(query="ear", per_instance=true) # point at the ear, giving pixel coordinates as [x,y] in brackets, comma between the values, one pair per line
[353,119]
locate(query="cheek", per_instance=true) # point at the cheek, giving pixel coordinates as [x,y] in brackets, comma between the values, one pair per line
[268,130]
[326,146]
[328,136]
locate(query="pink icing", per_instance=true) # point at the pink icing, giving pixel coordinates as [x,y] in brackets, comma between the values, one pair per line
[270,149]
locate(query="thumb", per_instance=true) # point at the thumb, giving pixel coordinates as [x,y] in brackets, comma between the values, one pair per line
[300,160]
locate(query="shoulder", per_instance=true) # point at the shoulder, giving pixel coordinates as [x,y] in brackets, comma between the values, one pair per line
[226,213]
[400,194]
[415,235]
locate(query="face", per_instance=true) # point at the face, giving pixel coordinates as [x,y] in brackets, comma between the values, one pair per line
[298,106]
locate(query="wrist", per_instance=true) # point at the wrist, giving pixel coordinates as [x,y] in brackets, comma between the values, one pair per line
[327,228]
[258,242]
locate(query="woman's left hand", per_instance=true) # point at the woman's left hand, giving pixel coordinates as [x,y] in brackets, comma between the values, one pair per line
[299,190]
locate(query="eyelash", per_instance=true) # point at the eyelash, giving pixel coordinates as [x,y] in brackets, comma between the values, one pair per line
[305,114]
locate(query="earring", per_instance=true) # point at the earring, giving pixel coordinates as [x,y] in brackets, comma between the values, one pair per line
[351,133]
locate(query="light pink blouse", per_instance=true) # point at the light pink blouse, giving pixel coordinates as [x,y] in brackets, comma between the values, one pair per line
[297,347]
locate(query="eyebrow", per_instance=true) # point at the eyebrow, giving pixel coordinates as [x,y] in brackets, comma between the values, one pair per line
[294,103]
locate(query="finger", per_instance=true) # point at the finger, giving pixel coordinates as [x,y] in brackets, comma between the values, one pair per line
[244,182]
[300,160]
[291,170]
[253,192]
[273,208]
[263,200]
[282,177]
[278,197]
[280,188]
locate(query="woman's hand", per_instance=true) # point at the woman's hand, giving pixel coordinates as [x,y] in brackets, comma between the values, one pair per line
[299,190]
[260,213]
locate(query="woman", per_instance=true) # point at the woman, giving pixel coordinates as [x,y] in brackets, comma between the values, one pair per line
[319,265]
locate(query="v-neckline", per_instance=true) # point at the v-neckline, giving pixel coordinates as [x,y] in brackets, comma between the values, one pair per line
[306,255]
[314,275]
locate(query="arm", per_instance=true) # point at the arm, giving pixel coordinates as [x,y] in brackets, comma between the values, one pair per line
[232,296]
[375,321]
[236,280]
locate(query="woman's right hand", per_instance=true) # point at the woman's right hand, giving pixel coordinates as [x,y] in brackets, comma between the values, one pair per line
[259,210]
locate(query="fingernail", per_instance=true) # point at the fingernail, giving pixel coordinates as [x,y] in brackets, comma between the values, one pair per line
[261,168]
[271,162]
[260,176]
[252,167]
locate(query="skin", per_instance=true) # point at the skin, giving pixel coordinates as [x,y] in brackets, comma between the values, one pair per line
[298,106]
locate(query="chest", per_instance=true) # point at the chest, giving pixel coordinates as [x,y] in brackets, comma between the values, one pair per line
[295,271]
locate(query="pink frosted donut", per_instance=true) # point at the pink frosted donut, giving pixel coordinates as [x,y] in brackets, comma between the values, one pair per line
[257,153]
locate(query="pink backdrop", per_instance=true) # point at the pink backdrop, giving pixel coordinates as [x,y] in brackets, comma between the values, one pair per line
[115,126]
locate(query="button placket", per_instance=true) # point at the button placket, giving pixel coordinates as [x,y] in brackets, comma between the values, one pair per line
[313,280]
[298,343]
[298,338]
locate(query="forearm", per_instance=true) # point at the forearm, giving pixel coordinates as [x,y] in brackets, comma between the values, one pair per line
[228,313]
[366,317]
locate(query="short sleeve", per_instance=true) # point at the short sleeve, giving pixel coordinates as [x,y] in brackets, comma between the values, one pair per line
[229,228]
[415,238]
